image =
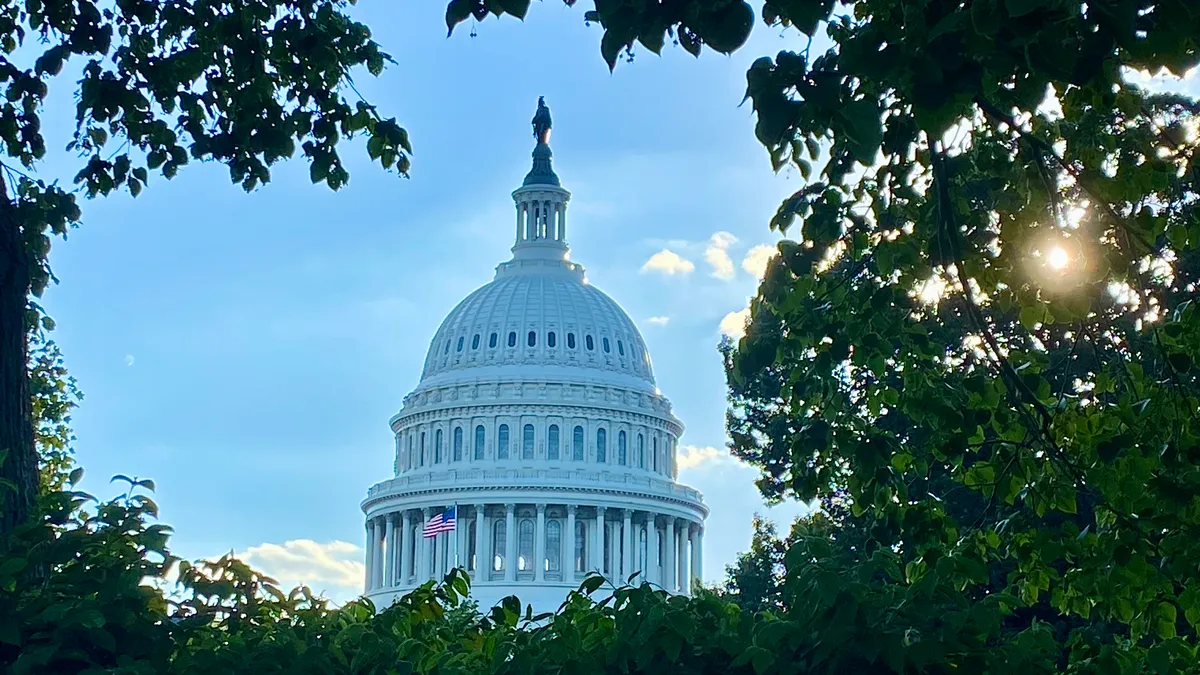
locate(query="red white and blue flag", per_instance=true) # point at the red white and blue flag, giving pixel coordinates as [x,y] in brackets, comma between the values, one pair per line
[442,522]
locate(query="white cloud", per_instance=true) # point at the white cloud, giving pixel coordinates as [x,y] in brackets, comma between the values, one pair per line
[129,359]
[757,258]
[668,262]
[658,320]
[334,568]
[734,323]
[693,456]
[717,255]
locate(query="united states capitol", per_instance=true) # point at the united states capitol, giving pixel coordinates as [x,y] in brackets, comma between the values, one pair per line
[536,448]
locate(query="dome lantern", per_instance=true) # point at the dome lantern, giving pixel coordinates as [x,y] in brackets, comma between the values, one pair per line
[541,201]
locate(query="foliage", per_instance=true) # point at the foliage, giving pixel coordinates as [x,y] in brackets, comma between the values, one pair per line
[156,86]
[984,337]
[754,581]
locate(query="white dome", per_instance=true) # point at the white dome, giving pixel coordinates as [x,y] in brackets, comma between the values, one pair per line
[540,320]
[538,431]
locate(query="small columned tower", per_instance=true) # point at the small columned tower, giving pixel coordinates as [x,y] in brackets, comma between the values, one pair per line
[541,201]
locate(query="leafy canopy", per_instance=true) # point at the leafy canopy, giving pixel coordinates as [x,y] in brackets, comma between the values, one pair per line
[983,336]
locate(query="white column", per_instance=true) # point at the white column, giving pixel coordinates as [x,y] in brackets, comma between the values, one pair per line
[614,551]
[697,554]
[389,547]
[423,569]
[369,557]
[653,551]
[482,561]
[569,544]
[377,553]
[510,542]
[518,222]
[562,223]
[598,541]
[682,558]
[539,544]
[627,539]
[405,547]
[669,567]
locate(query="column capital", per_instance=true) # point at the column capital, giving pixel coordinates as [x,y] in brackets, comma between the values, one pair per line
[427,511]
[541,508]
[601,509]
[627,513]
[479,508]
[509,508]
[571,509]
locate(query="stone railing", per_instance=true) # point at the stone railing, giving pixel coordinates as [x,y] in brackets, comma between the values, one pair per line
[561,478]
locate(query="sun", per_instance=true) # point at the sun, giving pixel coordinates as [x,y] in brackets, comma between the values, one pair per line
[1057,258]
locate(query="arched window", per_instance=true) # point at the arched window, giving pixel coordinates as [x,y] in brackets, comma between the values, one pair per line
[479,442]
[458,444]
[527,442]
[581,540]
[531,339]
[577,444]
[525,545]
[601,446]
[553,546]
[570,341]
[499,547]
[412,458]
[620,348]
[550,339]
[621,448]
[502,442]
[587,342]
[437,447]
[460,344]
[421,451]
[552,442]
[492,341]
[654,454]
[641,451]
[471,552]
[512,339]
[475,341]
[605,342]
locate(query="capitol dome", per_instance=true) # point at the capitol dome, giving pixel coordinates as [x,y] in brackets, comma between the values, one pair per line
[536,447]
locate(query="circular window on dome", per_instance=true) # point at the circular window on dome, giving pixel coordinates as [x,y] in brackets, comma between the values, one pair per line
[531,339]
[512,339]
[492,341]
[550,339]
[606,349]
[475,342]
[587,341]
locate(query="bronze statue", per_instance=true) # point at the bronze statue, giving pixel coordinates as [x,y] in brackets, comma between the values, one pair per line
[541,122]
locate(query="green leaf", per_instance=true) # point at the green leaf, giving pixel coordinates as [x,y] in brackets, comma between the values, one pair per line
[864,129]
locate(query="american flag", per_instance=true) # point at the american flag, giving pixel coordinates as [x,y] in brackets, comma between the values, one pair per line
[442,522]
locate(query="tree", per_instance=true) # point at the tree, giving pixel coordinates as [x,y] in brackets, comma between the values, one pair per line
[242,83]
[990,296]
[754,581]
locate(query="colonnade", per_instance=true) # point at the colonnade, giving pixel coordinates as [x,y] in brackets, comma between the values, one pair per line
[541,219]
[536,543]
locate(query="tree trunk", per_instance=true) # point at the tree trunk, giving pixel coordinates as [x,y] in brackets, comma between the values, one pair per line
[16,406]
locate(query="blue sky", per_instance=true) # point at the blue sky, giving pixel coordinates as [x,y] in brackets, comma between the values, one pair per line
[246,351]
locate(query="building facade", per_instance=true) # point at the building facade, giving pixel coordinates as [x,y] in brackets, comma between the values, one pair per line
[538,423]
